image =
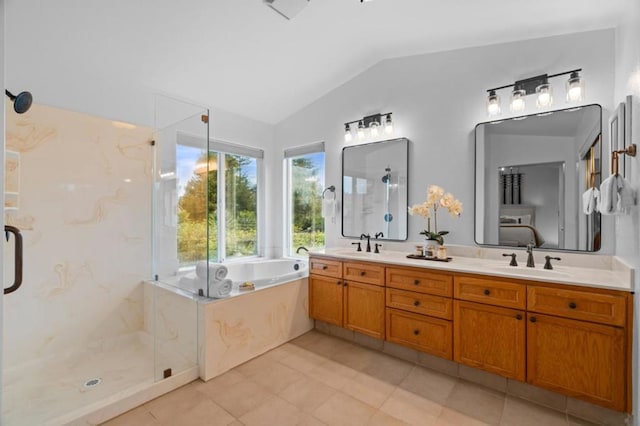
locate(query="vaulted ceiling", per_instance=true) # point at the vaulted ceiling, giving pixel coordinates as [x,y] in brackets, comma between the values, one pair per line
[241,56]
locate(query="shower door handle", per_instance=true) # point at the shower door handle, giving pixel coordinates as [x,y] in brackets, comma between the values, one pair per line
[17,281]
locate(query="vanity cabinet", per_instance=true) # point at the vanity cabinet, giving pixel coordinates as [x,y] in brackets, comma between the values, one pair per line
[420,310]
[578,343]
[569,339]
[348,294]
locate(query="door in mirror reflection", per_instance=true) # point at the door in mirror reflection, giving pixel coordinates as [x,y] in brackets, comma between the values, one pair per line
[374,189]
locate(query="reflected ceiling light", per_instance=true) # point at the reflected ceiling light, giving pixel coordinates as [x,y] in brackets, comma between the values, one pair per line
[541,87]
[373,123]
[575,87]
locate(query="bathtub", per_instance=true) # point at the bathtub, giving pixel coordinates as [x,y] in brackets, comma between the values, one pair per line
[262,273]
[235,329]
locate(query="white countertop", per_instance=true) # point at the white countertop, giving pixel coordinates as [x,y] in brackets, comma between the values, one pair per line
[613,275]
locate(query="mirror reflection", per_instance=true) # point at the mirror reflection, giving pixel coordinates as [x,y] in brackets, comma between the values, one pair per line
[374,189]
[531,174]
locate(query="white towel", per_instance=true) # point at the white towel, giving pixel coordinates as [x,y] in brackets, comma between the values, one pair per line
[608,196]
[626,194]
[329,208]
[616,195]
[221,288]
[217,271]
[590,200]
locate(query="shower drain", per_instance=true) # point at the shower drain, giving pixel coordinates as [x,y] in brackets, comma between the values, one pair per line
[92,382]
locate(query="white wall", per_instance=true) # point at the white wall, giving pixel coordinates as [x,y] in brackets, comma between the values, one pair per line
[627,82]
[437,99]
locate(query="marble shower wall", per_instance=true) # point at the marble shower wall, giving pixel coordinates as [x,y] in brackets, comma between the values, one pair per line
[84,208]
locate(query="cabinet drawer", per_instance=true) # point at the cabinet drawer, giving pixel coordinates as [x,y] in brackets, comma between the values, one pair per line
[426,334]
[491,291]
[369,273]
[326,267]
[603,308]
[417,279]
[441,307]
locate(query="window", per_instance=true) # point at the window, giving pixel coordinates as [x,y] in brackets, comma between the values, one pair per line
[230,197]
[305,183]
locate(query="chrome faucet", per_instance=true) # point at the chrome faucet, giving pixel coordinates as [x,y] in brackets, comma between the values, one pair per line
[530,262]
[368,237]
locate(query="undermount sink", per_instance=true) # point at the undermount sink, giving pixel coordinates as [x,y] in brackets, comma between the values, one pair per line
[353,252]
[537,272]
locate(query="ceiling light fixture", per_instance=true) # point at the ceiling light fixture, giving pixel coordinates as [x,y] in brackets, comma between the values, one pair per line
[541,87]
[372,123]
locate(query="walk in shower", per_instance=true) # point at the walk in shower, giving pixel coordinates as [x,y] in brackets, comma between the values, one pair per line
[84,338]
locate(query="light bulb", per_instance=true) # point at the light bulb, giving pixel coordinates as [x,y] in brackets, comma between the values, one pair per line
[388,125]
[575,88]
[517,100]
[347,133]
[493,104]
[373,128]
[360,130]
[545,96]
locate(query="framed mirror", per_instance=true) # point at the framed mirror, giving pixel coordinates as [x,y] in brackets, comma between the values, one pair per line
[530,176]
[375,189]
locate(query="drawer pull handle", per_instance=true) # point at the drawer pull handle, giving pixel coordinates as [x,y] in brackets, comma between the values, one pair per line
[416,332]
[487,292]
[533,319]
[416,282]
[362,273]
[325,267]
[518,317]
[416,303]
[572,305]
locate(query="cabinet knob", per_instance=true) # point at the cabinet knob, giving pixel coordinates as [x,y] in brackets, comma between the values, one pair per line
[344,283]
[416,303]
[416,282]
[325,267]
[339,282]
[572,305]
[416,332]
[518,317]
[362,273]
[487,292]
[533,319]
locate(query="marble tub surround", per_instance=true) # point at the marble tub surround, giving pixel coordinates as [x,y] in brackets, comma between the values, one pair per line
[575,269]
[235,330]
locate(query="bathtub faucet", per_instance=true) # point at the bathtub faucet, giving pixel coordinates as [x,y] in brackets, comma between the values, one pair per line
[301,248]
[368,237]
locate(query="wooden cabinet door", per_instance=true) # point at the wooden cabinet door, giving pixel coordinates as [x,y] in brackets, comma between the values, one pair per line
[577,358]
[326,299]
[489,338]
[364,308]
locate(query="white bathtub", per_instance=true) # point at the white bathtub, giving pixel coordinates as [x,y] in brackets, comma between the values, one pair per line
[262,273]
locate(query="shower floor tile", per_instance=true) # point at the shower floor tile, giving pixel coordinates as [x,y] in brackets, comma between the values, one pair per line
[42,392]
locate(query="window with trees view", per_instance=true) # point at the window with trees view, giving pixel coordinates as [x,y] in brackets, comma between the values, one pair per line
[305,185]
[230,195]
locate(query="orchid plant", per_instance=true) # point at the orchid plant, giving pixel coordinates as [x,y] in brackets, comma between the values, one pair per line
[436,198]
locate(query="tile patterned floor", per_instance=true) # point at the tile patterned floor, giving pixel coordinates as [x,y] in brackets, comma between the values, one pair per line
[322,380]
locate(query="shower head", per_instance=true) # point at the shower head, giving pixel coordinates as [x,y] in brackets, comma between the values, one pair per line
[22,102]
[387,177]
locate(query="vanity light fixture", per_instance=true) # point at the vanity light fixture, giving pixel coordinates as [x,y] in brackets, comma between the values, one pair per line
[372,123]
[541,87]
